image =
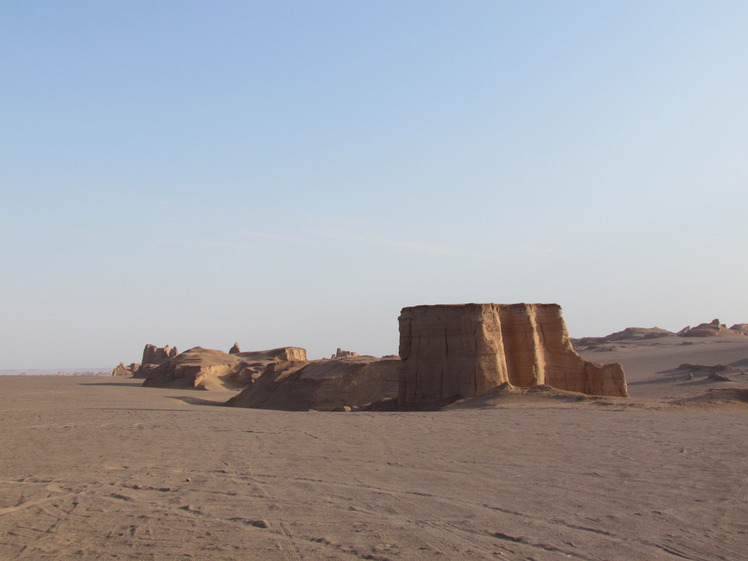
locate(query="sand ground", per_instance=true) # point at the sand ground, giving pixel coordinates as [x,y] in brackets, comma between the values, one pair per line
[95,468]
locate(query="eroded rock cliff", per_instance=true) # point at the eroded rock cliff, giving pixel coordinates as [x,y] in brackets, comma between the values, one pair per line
[153,357]
[158,355]
[123,369]
[450,352]
[211,369]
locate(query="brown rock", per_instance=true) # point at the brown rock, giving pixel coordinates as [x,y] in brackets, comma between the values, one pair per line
[235,349]
[322,385]
[125,370]
[158,355]
[451,352]
[210,369]
[340,353]
[714,329]
[281,354]
[154,356]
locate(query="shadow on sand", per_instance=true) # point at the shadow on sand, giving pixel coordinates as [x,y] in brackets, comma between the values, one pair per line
[125,384]
[197,400]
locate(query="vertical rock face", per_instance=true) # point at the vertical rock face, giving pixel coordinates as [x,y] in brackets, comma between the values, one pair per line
[450,352]
[158,355]
[153,357]
[342,353]
[210,369]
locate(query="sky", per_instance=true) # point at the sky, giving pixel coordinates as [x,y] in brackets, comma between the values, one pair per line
[294,173]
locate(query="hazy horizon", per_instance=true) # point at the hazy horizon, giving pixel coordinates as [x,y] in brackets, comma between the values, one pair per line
[289,174]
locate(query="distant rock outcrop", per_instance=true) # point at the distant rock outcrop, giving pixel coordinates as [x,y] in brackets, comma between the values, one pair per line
[235,349]
[628,334]
[451,352]
[158,355]
[125,370]
[638,333]
[212,369]
[154,356]
[323,385]
[340,353]
[713,329]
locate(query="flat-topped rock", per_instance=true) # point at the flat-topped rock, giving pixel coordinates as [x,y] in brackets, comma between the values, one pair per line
[459,351]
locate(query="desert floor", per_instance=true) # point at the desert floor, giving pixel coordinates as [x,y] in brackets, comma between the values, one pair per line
[100,468]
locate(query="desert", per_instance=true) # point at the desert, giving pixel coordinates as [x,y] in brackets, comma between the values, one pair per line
[284,280]
[100,467]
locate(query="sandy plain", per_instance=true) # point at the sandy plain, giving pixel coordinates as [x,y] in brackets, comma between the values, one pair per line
[95,468]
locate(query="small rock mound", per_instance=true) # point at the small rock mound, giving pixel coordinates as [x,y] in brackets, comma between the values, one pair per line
[628,334]
[639,333]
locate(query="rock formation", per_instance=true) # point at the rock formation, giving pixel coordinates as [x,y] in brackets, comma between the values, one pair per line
[125,370]
[235,349]
[154,356]
[212,369]
[158,355]
[714,329]
[340,353]
[324,385]
[711,329]
[450,352]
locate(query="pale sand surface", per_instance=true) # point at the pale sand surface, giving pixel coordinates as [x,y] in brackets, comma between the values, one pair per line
[650,364]
[100,468]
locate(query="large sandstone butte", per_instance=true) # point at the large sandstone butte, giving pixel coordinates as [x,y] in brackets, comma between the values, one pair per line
[450,352]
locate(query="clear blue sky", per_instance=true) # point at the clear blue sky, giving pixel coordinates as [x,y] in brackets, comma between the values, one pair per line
[294,173]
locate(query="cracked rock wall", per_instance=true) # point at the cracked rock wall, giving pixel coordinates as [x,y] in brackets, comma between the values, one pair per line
[450,352]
